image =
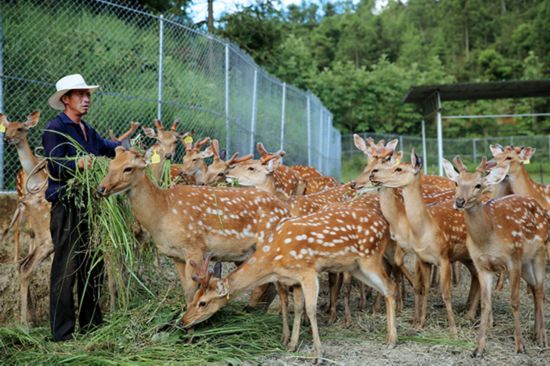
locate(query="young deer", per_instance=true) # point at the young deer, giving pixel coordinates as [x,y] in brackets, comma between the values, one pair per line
[217,171]
[508,233]
[344,239]
[437,236]
[187,221]
[193,169]
[165,147]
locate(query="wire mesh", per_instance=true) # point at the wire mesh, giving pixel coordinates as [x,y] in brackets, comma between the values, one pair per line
[149,66]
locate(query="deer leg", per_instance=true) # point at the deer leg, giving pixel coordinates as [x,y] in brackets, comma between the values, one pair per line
[500,282]
[298,297]
[362,296]
[473,296]
[347,292]
[424,280]
[261,297]
[335,283]
[283,299]
[533,273]
[310,288]
[375,276]
[486,287]
[515,273]
[185,273]
[457,274]
[445,273]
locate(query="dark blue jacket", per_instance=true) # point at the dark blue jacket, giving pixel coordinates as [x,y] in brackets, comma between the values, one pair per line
[57,148]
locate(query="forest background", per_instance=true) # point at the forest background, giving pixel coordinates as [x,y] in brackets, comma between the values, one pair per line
[361,59]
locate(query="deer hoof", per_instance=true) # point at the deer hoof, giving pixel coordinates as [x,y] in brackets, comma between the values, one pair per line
[478,353]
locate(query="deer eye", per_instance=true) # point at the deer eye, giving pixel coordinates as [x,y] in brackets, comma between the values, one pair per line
[221,174]
[251,168]
[202,304]
[509,158]
[478,186]
[20,129]
[398,169]
[128,169]
[195,159]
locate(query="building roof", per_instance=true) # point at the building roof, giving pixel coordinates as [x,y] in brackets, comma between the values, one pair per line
[475,91]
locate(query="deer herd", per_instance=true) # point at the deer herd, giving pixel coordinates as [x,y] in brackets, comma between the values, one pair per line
[285,225]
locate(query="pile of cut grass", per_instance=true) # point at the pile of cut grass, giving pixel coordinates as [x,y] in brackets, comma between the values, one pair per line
[143,334]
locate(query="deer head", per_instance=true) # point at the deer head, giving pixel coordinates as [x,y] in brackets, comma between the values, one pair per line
[397,174]
[512,156]
[217,171]
[166,140]
[376,154]
[124,170]
[211,296]
[18,131]
[470,186]
[254,173]
[193,160]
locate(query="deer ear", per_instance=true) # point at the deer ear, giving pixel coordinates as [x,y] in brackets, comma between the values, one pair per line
[217,272]
[392,144]
[207,153]
[149,132]
[526,154]
[4,120]
[119,150]
[450,170]
[496,149]
[360,143]
[416,161]
[223,154]
[497,174]
[222,287]
[32,119]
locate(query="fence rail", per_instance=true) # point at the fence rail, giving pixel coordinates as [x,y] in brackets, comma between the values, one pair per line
[471,150]
[153,67]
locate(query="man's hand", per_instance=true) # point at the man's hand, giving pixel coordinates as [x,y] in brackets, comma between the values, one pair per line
[84,162]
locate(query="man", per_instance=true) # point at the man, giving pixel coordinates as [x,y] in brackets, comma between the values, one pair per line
[72,258]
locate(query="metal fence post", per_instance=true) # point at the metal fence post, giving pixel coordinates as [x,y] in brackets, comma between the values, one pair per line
[548,138]
[227,130]
[439,136]
[253,119]
[161,56]
[321,147]
[424,152]
[283,110]
[474,152]
[309,129]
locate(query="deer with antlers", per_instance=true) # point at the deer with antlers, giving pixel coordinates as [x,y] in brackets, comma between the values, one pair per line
[344,239]
[509,233]
[187,221]
[436,233]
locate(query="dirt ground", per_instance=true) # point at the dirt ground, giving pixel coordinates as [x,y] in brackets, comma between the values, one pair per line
[360,344]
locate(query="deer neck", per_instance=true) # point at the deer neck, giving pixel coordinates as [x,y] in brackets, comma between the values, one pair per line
[250,274]
[417,212]
[523,185]
[269,186]
[479,223]
[394,211]
[200,174]
[29,162]
[144,195]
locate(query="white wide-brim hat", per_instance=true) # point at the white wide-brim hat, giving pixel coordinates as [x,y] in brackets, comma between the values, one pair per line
[66,83]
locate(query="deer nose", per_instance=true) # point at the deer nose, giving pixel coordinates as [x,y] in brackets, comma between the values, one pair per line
[100,191]
[168,155]
[459,202]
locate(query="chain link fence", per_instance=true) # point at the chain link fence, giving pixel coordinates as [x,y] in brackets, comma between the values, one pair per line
[471,150]
[153,67]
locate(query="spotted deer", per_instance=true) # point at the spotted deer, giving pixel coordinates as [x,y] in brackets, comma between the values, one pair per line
[508,233]
[187,221]
[520,181]
[436,234]
[312,180]
[193,168]
[287,182]
[351,240]
[163,149]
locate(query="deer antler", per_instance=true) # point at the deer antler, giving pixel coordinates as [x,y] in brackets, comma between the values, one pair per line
[215,149]
[482,166]
[261,149]
[202,275]
[175,125]
[459,164]
[158,124]
[199,144]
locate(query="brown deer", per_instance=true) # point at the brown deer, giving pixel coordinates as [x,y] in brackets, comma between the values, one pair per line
[164,149]
[312,180]
[287,181]
[344,239]
[437,236]
[187,221]
[509,233]
[193,168]
[520,181]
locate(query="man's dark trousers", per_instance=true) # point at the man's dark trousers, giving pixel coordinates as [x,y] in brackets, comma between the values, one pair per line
[72,260]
